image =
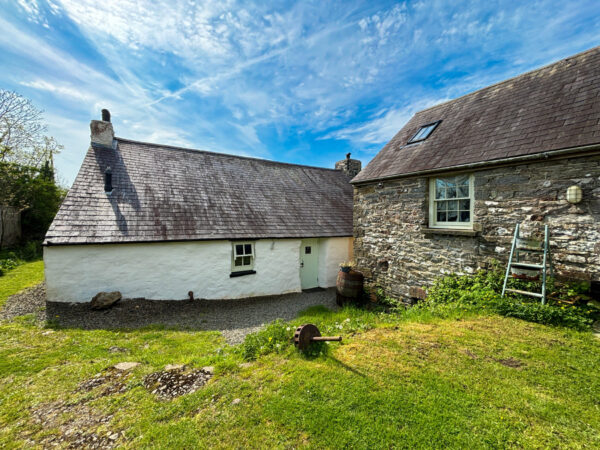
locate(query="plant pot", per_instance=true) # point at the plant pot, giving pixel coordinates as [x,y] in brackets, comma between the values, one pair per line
[345,269]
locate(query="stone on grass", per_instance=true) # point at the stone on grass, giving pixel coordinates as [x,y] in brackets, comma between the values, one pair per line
[208,369]
[123,366]
[103,300]
[171,367]
[236,401]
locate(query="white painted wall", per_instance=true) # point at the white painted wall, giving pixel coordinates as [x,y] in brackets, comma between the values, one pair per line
[332,251]
[169,270]
[75,273]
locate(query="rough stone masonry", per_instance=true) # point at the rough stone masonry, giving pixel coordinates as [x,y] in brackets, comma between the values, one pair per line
[395,250]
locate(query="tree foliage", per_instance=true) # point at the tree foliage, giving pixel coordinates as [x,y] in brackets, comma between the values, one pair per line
[22,138]
[27,182]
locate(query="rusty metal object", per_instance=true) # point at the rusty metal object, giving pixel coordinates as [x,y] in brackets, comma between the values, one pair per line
[307,333]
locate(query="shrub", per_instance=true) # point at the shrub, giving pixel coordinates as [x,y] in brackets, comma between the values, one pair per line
[273,339]
[482,291]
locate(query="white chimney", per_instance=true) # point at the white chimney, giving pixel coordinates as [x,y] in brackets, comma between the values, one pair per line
[102,133]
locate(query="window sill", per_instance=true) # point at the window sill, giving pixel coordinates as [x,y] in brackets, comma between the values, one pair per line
[450,231]
[241,273]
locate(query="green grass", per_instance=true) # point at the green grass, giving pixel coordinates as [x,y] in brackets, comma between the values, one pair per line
[412,380]
[23,276]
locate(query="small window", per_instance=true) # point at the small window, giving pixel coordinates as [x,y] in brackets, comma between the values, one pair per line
[307,250]
[451,202]
[243,256]
[424,132]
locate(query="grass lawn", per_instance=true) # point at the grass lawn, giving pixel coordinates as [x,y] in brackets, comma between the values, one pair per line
[25,275]
[407,380]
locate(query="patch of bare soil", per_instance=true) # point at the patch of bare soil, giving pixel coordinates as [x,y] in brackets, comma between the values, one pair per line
[510,362]
[78,425]
[177,381]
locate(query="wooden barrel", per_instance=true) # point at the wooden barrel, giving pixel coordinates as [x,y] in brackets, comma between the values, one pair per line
[349,287]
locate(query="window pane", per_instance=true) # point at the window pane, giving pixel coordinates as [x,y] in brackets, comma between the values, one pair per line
[441,206]
[463,191]
[462,180]
[464,204]
[452,216]
[239,249]
[238,261]
[452,205]
[307,250]
[247,260]
[451,192]
[465,216]
[441,216]
[440,189]
[248,249]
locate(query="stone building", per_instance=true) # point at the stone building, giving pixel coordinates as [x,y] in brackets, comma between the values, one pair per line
[157,221]
[445,193]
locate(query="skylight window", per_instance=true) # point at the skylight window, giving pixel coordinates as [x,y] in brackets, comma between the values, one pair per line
[424,132]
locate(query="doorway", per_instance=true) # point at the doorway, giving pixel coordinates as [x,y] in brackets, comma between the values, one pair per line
[309,263]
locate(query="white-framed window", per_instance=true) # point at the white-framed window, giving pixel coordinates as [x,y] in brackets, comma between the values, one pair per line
[242,256]
[451,201]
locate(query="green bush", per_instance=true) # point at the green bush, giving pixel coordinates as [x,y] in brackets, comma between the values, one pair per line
[276,337]
[482,291]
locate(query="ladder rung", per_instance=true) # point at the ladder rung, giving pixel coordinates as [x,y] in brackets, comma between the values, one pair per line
[527,265]
[530,249]
[531,294]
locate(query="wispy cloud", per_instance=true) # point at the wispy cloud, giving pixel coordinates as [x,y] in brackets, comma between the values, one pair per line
[304,82]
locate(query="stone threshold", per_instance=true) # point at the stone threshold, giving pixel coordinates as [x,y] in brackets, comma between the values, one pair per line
[450,231]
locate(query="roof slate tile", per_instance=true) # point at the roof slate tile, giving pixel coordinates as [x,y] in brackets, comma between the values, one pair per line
[555,107]
[164,193]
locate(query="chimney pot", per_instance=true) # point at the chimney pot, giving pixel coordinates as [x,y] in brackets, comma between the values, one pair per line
[105,115]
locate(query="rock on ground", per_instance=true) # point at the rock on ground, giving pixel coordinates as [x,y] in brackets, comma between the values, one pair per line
[103,300]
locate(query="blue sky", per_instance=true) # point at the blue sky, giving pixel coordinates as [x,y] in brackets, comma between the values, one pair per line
[301,82]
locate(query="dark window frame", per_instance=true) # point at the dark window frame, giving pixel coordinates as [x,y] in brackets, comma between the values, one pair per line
[434,125]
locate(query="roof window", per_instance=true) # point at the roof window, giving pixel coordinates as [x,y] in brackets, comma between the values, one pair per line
[424,132]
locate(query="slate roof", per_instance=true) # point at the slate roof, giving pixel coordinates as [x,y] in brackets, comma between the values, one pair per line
[555,107]
[164,193]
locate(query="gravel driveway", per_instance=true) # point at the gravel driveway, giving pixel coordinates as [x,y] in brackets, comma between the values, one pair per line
[233,318]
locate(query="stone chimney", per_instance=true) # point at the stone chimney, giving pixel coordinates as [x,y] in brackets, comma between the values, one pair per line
[350,167]
[102,133]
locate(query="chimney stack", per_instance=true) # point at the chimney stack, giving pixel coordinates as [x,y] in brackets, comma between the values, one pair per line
[102,133]
[350,167]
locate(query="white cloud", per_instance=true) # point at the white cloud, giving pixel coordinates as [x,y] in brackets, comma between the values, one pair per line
[383,125]
[60,90]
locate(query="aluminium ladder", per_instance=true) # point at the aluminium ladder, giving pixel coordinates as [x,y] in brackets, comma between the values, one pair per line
[518,246]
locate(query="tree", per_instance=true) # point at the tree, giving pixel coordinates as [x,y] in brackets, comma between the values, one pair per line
[27,182]
[22,138]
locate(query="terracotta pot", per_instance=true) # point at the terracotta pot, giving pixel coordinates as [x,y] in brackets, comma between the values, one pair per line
[349,286]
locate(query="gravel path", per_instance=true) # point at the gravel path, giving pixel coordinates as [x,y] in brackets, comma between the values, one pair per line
[31,301]
[233,318]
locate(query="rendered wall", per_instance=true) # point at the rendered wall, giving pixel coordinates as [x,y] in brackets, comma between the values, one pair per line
[395,250]
[332,251]
[169,270]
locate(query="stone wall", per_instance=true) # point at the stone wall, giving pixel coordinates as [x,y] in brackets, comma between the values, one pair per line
[395,249]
